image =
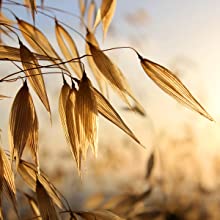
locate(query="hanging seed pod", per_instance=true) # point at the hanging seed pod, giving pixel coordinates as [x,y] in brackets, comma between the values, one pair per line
[105,14]
[170,84]
[34,74]
[113,75]
[68,48]
[23,125]
[86,116]
[107,111]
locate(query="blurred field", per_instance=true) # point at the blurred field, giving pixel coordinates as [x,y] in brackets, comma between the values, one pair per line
[180,184]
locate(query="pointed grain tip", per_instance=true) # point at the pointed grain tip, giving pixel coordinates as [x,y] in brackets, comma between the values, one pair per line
[18,20]
[139,56]
[56,22]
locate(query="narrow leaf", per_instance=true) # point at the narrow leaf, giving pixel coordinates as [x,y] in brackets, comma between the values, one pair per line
[68,48]
[34,75]
[46,206]
[106,110]
[23,125]
[86,116]
[170,84]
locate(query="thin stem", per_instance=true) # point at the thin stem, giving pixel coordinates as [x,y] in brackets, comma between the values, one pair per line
[9,10]
[17,66]
[10,2]
[49,16]
[125,47]
[26,35]
[67,61]
[9,27]
[37,74]
[46,66]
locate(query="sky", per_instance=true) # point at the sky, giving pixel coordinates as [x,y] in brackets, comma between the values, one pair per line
[181,35]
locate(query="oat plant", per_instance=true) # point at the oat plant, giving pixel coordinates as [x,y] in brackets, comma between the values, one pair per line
[80,102]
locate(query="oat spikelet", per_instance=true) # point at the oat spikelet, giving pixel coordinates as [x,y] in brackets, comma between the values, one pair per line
[68,48]
[110,6]
[107,111]
[105,14]
[38,41]
[23,125]
[29,174]
[113,76]
[71,127]
[109,71]
[45,204]
[35,76]
[64,94]
[32,6]
[67,116]
[7,182]
[13,54]
[170,84]
[86,116]
[95,70]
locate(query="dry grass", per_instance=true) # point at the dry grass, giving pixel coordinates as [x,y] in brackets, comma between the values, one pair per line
[79,106]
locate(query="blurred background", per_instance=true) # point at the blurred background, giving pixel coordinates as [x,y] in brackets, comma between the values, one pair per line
[184,37]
